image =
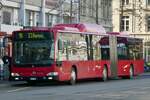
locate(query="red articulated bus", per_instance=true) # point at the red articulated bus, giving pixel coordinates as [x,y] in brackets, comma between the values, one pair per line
[69,52]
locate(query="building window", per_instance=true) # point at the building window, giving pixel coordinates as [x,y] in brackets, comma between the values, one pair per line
[83,7]
[37,19]
[55,19]
[29,18]
[6,17]
[125,23]
[48,19]
[15,17]
[125,2]
[148,23]
[108,4]
[90,8]
[67,19]
[148,2]
[103,8]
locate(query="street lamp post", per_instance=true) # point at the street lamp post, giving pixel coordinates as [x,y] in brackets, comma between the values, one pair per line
[1,5]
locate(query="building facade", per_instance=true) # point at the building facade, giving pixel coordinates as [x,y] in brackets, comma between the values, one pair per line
[133,16]
[96,11]
[16,14]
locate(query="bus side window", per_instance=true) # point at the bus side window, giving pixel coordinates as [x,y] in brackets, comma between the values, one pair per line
[97,54]
[96,48]
[61,48]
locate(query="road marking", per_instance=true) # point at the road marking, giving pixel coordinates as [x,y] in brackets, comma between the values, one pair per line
[19,89]
[2,85]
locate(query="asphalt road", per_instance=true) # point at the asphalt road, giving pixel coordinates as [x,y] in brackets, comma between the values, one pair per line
[124,89]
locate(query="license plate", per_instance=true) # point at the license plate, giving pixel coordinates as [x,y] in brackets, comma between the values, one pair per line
[32,78]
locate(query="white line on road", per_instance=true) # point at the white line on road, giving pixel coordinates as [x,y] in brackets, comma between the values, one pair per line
[19,89]
[2,85]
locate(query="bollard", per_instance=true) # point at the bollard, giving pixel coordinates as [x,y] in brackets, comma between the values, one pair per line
[5,72]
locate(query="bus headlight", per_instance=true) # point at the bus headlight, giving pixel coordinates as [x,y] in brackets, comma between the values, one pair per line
[52,74]
[14,74]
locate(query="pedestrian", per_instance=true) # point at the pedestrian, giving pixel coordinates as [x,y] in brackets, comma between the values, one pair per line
[7,61]
[1,69]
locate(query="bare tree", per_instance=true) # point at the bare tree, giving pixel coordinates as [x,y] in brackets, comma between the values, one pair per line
[97,11]
[121,15]
[71,4]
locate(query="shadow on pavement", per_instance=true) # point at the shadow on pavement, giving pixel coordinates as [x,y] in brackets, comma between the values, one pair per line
[79,82]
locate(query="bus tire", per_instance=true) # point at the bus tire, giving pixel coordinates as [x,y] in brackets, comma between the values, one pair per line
[105,74]
[73,77]
[131,72]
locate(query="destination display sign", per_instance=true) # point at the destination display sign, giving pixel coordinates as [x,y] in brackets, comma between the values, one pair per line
[32,35]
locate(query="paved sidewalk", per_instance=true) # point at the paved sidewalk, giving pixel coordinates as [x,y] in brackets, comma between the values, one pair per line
[146,74]
[4,81]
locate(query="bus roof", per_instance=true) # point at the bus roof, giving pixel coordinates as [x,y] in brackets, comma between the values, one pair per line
[81,27]
[123,34]
[84,27]
[119,33]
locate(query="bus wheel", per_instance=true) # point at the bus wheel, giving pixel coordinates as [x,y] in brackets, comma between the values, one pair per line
[73,77]
[131,72]
[105,74]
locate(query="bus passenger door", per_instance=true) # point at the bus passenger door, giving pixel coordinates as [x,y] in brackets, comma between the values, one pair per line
[62,57]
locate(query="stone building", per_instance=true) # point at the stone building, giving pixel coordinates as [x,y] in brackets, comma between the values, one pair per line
[133,16]
[97,11]
[18,13]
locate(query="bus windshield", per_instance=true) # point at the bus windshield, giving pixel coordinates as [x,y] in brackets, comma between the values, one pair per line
[37,49]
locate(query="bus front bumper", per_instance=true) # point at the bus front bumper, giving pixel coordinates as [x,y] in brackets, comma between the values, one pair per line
[33,78]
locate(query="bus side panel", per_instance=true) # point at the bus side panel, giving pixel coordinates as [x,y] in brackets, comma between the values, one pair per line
[99,66]
[123,67]
[138,67]
[64,71]
[97,69]
[92,69]
[84,69]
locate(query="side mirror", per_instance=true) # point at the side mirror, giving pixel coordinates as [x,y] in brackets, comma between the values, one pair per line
[60,45]
[59,63]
